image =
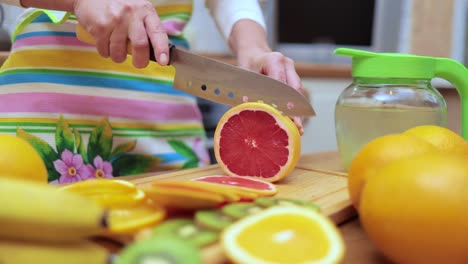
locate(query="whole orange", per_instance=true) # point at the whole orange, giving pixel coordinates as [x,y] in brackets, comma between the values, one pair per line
[443,138]
[378,153]
[415,210]
[19,159]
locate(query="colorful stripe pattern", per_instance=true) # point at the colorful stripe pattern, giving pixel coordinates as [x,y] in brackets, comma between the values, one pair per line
[85,112]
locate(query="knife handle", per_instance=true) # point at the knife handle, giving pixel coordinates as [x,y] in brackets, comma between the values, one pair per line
[86,37]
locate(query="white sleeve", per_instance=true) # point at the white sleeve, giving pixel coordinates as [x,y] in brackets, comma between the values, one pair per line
[11,2]
[227,12]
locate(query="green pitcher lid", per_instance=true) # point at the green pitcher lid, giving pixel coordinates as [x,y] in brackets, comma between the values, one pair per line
[389,65]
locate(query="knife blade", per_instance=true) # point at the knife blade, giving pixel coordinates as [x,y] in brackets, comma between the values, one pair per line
[225,83]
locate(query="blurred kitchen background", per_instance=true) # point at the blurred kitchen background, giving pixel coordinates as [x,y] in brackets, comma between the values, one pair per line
[309,30]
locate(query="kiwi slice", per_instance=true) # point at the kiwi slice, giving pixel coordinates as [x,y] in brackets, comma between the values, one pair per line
[272,201]
[240,210]
[187,230]
[213,219]
[160,249]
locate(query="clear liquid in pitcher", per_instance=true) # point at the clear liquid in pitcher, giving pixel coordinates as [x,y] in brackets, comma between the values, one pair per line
[360,124]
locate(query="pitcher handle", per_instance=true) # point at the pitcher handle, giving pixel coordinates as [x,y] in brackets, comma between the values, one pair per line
[457,74]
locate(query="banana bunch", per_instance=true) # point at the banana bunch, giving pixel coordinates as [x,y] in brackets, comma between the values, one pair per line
[77,252]
[34,211]
[39,224]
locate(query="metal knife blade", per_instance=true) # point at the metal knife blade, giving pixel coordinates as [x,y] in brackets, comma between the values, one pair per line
[231,85]
[224,83]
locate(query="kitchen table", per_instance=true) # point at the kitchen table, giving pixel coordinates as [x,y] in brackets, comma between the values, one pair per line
[359,250]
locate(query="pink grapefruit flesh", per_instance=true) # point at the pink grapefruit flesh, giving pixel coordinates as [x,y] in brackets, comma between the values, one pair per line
[256,140]
[256,185]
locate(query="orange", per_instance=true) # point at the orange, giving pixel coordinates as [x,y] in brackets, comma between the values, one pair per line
[108,192]
[19,159]
[443,138]
[132,219]
[378,153]
[415,210]
[283,234]
[254,139]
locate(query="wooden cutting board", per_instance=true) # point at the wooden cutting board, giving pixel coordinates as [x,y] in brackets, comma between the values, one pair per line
[325,186]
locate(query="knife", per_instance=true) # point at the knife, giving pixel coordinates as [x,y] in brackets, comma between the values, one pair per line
[224,83]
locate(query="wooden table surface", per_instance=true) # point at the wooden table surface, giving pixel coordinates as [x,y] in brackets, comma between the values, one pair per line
[359,250]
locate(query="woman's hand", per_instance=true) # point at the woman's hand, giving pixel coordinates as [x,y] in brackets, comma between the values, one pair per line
[115,22]
[248,40]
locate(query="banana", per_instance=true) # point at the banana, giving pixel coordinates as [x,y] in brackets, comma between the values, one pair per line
[78,252]
[34,211]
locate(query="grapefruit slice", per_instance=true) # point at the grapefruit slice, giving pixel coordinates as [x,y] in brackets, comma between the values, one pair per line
[283,234]
[256,140]
[182,199]
[259,186]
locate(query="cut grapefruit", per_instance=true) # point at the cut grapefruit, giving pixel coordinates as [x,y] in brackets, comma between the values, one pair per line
[254,139]
[259,186]
[283,234]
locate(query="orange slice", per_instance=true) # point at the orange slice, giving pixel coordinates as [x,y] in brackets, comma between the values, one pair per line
[108,192]
[184,199]
[129,220]
[283,234]
[256,140]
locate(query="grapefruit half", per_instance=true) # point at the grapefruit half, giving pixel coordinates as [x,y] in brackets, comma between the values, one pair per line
[254,139]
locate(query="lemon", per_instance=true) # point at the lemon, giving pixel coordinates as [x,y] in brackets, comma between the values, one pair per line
[415,210]
[443,138]
[378,153]
[19,159]
[283,234]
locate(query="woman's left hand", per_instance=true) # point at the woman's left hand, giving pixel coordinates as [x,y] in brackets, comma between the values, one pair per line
[275,65]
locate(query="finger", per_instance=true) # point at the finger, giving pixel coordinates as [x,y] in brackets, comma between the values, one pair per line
[139,40]
[292,77]
[274,66]
[101,36]
[118,42]
[158,38]
[298,122]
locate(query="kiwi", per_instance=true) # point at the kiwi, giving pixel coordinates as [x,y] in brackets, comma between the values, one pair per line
[271,201]
[240,210]
[187,230]
[160,249]
[213,219]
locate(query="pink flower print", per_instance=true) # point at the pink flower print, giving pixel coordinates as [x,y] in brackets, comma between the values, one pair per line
[202,153]
[173,27]
[101,169]
[71,168]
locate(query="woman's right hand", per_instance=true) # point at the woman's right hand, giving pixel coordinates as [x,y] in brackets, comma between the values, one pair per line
[115,22]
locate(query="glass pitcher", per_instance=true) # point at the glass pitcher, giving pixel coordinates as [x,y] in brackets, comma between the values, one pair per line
[391,93]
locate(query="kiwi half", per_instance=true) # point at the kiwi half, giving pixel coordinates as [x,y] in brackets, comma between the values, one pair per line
[187,230]
[240,210]
[213,220]
[272,201]
[160,249]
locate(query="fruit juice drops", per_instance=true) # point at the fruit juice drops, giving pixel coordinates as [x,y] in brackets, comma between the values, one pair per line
[360,123]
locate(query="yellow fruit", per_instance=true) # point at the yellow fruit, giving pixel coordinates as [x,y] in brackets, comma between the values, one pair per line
[256,140]
[132,219]
[110,193]
[18,159]
[443,138]
[378,153]
[283,234]
[415,210]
